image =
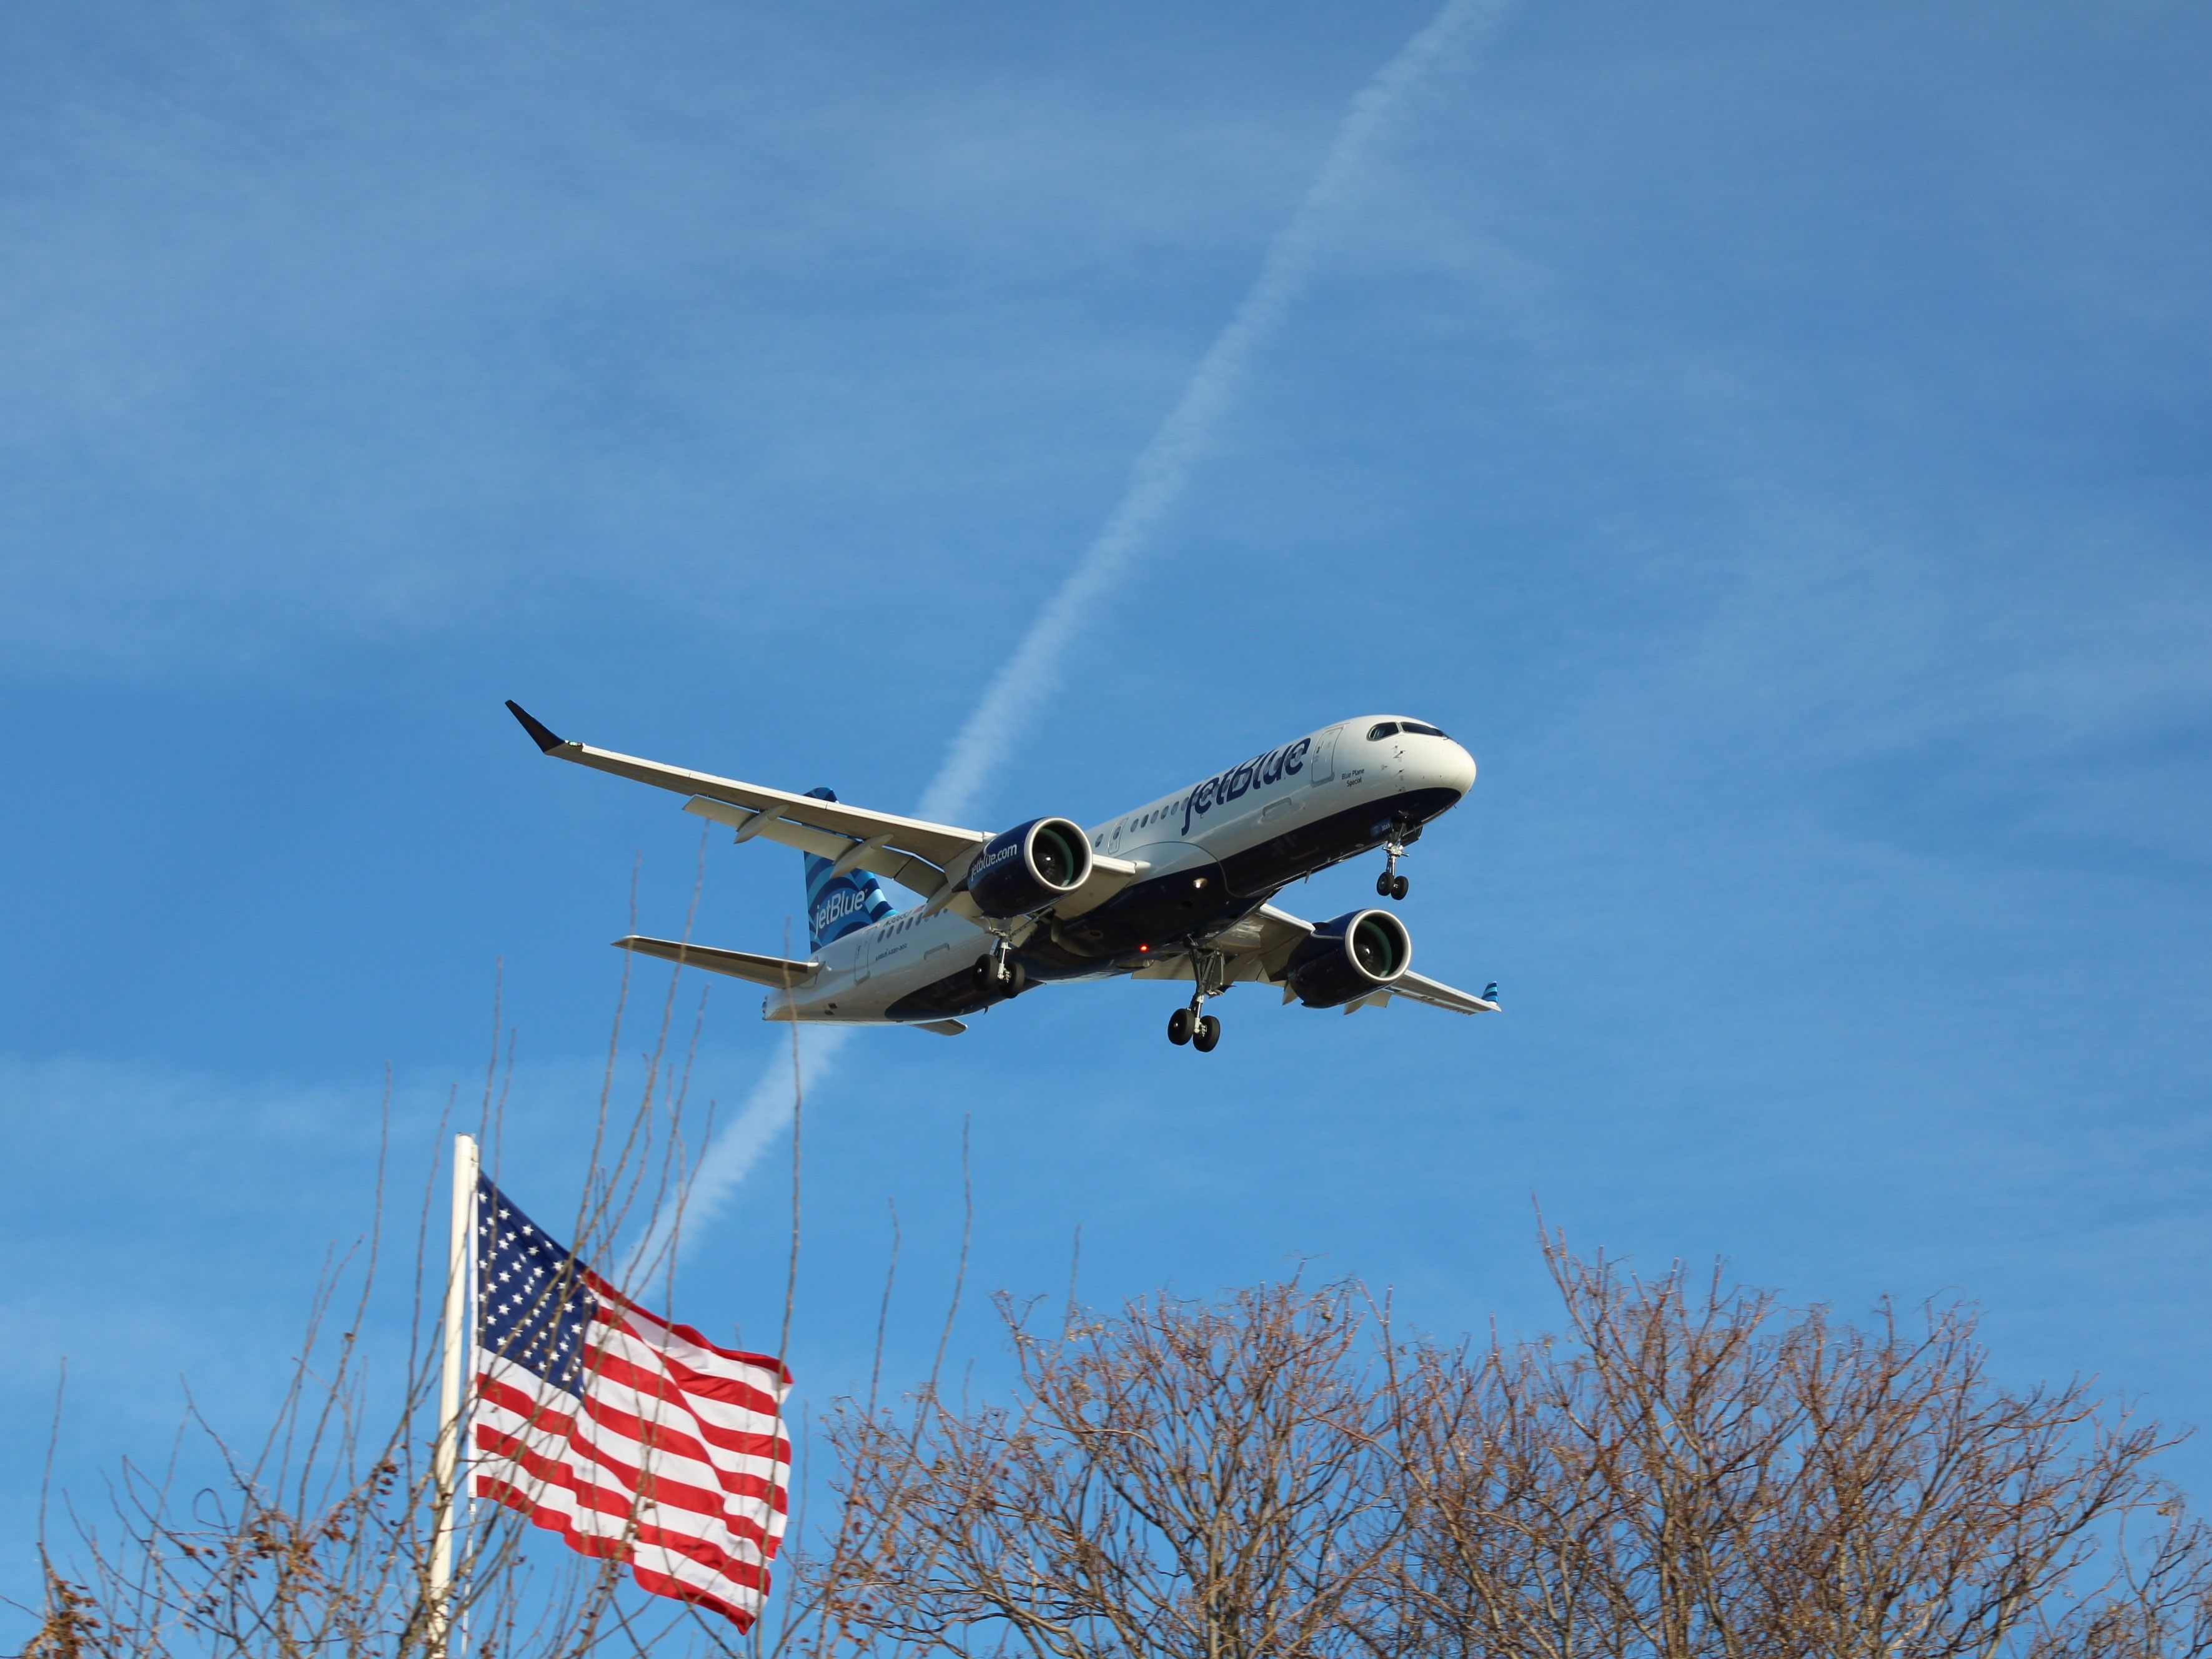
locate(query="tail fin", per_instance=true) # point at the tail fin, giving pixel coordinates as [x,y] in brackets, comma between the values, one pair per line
[836,906]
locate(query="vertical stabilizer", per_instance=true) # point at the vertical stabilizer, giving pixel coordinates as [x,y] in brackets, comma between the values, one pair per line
[837,905]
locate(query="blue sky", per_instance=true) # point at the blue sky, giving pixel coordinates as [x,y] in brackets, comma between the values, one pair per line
[1775,441]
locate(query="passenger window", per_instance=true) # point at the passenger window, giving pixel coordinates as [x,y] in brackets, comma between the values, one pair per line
[1419,730]
[1387,729]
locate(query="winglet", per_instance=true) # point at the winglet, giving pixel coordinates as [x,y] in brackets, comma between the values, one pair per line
[538,733]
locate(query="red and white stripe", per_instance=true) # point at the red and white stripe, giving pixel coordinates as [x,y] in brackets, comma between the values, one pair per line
[674,1459]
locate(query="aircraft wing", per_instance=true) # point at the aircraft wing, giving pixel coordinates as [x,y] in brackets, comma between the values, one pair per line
[1438,995]
[928,859]
[911,852]
[1259,947]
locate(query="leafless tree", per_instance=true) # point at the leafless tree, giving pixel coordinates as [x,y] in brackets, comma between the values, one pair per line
[1181,1480]
[1687,1470]
[1691,1471]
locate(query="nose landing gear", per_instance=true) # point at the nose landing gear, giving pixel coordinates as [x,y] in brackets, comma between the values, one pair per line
[1390,885]
[1201,1031]
[1194,1025]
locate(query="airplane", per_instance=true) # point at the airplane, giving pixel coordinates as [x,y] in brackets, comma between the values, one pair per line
[1177,890]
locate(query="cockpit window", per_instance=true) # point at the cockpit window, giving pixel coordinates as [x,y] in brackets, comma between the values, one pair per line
[1387,729]
[1419,730]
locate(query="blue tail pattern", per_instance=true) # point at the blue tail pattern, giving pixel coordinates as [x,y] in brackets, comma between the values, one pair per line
[836,907]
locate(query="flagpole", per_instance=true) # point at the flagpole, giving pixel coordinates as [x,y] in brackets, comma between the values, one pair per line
[445,1461]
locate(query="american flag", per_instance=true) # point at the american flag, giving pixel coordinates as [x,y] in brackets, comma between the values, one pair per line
[631,1438]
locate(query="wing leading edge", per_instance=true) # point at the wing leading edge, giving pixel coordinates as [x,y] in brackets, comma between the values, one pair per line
[928,859]
[913,852]
[1419,987]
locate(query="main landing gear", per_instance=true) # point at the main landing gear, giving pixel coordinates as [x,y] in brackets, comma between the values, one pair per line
[994,975]
[1390,885]
[1194,1025]
[1202,1032]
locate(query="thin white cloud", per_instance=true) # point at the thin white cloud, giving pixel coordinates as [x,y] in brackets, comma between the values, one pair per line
[277,378]
[1156,482]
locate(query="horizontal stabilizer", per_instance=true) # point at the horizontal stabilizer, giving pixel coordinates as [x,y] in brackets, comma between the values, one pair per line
[738,965]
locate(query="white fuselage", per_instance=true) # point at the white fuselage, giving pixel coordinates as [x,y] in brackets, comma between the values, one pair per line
[1244,833]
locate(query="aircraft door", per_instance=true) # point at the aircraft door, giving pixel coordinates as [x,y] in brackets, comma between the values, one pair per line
[864,955]
[1321,764]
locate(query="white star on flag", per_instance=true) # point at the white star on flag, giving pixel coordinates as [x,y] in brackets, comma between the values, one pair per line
[634,1438]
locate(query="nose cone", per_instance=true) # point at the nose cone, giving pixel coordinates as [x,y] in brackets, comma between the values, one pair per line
[1450,767]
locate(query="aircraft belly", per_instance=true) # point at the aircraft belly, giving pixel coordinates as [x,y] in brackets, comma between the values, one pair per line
[1314,840]
[1184,891]
[844,1001]
[1194,889]
[945,997]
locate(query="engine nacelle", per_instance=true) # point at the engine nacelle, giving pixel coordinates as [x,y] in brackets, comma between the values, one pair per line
[1022,870]
[1364,950]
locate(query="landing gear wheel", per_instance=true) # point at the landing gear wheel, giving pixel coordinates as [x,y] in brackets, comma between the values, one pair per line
[1390,885]
[1208,1033]
[1179,1028]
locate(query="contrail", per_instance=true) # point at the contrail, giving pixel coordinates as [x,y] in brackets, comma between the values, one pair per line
[1160,472]
[1156,482]
[730,1157]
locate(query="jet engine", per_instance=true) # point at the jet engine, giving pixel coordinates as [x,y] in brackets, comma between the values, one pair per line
[1364,950]
[1022,870]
